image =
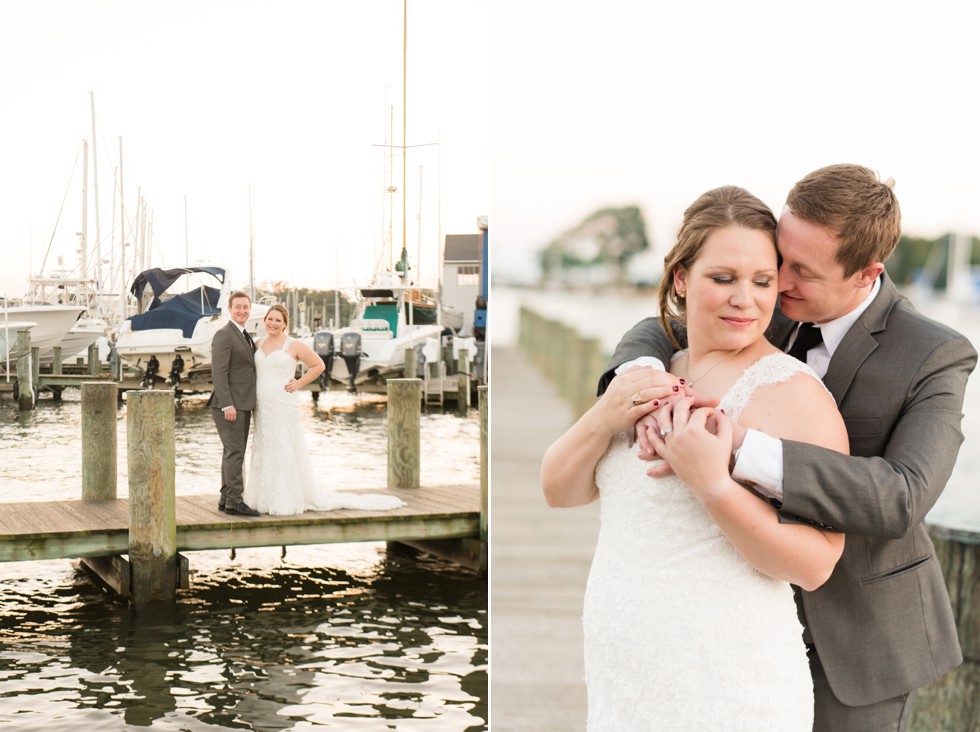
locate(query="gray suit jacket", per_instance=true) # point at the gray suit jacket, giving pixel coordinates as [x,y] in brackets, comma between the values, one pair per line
[232,370]
[882,624]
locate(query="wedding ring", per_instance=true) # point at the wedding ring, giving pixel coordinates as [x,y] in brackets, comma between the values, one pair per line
[664,433]
[636,400]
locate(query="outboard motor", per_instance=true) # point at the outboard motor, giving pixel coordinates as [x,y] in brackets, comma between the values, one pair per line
[152,369]
[324,348]
[176,368]
[350,351]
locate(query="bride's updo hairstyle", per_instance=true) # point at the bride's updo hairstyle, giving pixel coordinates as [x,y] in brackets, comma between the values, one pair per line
[279,308]
[719,208]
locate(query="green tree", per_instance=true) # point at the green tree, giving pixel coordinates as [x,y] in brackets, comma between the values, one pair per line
[607,238]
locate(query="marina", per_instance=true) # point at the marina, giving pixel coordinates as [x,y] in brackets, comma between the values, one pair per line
[272,636]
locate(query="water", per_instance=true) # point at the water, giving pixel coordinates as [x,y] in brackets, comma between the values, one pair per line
[340,636]
[608,315]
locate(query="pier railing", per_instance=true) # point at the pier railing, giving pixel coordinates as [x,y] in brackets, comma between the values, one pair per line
[950,704]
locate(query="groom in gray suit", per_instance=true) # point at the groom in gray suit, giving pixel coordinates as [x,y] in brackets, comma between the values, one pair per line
[882,625]
[233,399]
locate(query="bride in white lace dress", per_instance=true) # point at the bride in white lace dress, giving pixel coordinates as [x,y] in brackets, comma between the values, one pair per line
[689,617]
[280,480]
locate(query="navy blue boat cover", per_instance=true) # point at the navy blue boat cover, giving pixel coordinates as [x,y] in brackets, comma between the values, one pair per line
[180,311]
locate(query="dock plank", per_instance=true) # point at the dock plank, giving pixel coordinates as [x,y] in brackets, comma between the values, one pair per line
[72,529]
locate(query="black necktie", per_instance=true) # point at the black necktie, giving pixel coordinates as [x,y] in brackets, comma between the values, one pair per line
[807,337]
[248,338]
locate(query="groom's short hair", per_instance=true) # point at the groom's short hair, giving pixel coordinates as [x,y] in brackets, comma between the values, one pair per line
[857,206]
[237,294]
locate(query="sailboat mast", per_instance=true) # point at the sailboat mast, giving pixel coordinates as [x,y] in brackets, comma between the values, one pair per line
[404,128]
[187,251]
[251,247]
[95,193]
[83,236]
[123,284]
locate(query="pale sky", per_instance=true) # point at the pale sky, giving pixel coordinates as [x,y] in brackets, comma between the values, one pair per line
[210,97]
[621,102]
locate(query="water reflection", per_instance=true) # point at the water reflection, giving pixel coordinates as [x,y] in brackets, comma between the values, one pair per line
[252,647]
[349,636]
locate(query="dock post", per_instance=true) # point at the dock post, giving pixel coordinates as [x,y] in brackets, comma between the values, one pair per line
[98,440]
[56,361]
[411,363]
[152,505]
[951,702]
[404,432]
[463,381]
[25,372]
[484,477]
[590,368]
[94,366]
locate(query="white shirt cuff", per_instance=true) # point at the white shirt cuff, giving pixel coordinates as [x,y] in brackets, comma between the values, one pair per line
[759,462]
[650,361]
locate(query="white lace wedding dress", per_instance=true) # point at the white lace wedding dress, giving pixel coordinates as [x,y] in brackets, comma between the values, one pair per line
[280,479]
[680,632]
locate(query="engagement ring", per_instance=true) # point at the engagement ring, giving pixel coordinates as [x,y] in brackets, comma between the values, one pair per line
[636,400]
[664,433]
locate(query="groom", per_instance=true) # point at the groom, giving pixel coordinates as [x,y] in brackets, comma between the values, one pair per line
[233,399]
[882,625]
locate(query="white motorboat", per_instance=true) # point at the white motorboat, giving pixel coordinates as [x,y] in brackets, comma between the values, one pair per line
[8,339]
[391,317]
[52,323]
[180,310]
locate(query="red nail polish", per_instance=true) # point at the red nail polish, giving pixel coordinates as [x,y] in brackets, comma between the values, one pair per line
[656,402]
[683,382]
[675,388]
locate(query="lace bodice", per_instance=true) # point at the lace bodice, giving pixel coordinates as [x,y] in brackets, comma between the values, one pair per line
[674,619]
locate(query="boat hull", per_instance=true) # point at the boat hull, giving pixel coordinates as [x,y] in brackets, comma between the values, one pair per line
[52,324]
[383,356]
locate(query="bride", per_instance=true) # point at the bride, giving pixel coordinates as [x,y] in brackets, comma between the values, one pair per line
[689,617]
[280,478]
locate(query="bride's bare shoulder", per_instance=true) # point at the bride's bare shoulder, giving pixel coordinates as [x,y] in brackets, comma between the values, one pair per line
[798,408]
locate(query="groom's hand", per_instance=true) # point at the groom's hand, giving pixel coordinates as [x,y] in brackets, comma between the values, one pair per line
[649,422]
[230,414]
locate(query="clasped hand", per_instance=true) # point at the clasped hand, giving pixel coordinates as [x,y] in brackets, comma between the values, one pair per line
[696,443]
[632,396]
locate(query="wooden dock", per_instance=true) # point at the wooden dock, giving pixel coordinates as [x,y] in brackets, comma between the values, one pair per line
[79,528]
[153,525]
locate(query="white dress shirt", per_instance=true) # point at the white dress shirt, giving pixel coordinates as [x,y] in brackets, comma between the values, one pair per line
[760,459]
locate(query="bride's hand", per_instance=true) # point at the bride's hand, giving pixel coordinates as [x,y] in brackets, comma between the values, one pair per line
[697,444]
[631,395]
[292,386]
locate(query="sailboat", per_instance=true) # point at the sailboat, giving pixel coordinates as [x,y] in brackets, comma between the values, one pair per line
[71,290]
[393,313]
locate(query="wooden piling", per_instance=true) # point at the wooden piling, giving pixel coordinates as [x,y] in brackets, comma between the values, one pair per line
[98,440]
[463,381]
[56,367]
[25,372]
[482,396]
[152,506]
[94,365]
[404,432]
[952,702]
[411,363]
[590,367]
